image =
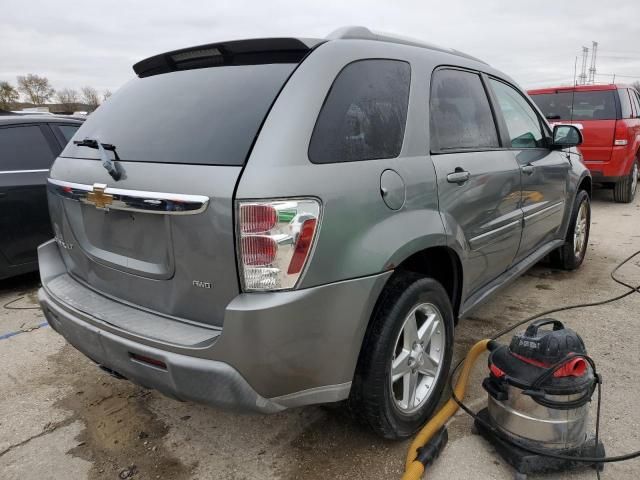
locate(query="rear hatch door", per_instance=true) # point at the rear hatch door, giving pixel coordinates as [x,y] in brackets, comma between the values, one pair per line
[594,112]
[161,237]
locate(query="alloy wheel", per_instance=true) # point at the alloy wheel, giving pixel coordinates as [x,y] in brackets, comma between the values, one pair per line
[417,358]
[580,231]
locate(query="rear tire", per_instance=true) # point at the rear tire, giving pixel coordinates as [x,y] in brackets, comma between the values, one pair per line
[571,255]
[625,190]
[395,405]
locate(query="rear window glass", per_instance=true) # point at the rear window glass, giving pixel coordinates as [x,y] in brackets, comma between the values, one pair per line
[202,116]
[364,114]
[596,105]
[24,148]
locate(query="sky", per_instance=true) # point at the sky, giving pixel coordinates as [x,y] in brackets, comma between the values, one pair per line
[95,42]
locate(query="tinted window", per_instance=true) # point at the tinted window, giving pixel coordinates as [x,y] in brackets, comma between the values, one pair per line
[364,114]
[460,113]
[24,148]
[202,116]
[625,103]
[636,104]
[68,131]
[522,121]
[596,105]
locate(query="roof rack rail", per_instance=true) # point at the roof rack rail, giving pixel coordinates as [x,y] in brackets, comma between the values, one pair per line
[363,33]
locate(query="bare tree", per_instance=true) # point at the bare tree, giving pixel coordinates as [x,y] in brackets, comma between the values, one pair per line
[107,93]
[36,88]
[68,97]
[636,85]
[8,96]
[90,97]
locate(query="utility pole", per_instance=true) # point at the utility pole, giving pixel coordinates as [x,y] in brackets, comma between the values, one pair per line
[575,72]
[582,78]
[592,68]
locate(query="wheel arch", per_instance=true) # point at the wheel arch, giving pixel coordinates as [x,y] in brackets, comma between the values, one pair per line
[586,184]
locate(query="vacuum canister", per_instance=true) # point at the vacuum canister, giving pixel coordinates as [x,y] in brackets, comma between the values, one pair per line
[539,387]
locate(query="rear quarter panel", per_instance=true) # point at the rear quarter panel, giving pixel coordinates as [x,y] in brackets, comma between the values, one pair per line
[359,234]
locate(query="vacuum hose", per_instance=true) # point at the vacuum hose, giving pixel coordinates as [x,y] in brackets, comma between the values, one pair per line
[414,468]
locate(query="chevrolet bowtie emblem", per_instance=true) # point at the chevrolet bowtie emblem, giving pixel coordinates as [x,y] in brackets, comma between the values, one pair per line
[98,197]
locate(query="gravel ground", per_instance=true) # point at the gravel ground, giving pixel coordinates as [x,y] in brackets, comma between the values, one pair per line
[60,417]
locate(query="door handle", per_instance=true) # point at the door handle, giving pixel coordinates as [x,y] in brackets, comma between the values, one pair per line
[527,169]
[459,176]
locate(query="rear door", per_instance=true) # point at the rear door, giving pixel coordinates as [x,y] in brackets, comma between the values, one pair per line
[26,154]
[162,236]
[478,180]
[545,172]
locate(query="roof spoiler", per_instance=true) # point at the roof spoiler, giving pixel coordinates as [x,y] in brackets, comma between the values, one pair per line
[238,52]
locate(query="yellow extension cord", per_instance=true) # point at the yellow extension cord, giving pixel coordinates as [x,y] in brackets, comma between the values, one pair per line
[413,468]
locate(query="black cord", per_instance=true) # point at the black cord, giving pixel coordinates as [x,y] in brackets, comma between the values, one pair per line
[631,288]
[9,303]
[507,439]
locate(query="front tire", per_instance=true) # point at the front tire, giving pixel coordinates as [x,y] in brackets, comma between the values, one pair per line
[625,190]
[405,358]
[571,255]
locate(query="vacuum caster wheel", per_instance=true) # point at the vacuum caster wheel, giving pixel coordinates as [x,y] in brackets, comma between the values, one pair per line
[519,476]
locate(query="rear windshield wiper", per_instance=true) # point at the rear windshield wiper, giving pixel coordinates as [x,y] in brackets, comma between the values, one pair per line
[107,163]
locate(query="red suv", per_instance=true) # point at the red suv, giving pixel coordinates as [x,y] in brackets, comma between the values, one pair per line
[609,116]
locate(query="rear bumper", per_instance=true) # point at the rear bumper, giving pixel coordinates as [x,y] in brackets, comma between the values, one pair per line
[184,378]
[613,170]
[276,350]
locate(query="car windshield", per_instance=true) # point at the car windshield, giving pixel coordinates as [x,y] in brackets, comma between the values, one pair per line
[202,116]
[595,105]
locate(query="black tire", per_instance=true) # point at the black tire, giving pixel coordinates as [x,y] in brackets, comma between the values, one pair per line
[566,257]
[371,399]
[624,191]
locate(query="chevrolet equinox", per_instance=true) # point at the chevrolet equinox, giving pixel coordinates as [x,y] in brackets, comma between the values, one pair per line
[270,223]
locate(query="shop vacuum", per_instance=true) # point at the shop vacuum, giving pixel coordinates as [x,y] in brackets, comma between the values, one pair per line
[539,388]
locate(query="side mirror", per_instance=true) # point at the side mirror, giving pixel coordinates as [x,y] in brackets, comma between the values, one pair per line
[565,136]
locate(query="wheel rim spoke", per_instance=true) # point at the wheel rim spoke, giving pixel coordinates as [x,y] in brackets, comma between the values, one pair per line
[400,366]
[410,332]
[410,386]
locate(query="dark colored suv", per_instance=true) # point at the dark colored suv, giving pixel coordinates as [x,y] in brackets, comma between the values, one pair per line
[28,146]
[302,221]
[609,117]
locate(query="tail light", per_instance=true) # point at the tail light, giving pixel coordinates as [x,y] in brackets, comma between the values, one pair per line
[621,136]
[275,242]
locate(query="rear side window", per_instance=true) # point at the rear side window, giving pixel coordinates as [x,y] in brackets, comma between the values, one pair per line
[522,121]
[364,114]
[595,105]
[635,102]
[203,116]
[68,131]
[24,148]
[625,103]
[460,114]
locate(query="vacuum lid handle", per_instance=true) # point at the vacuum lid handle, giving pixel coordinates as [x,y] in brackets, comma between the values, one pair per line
[532,329]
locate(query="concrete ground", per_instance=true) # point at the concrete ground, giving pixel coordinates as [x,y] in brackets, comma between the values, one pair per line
[62,418]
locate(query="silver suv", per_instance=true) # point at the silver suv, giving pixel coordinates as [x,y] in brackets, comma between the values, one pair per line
[269,223]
